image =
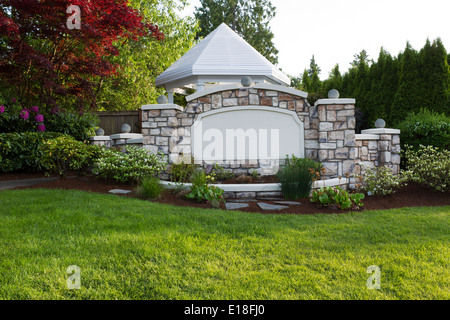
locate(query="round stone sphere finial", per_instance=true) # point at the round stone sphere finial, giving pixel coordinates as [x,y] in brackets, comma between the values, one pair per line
[380,123]
[162,100]
[126,128]
[99,132]
[333,94]
[246,81]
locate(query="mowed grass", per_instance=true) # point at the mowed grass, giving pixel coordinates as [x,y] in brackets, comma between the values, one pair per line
[133,249]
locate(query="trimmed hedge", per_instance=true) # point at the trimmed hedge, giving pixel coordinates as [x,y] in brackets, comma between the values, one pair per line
[22,151]
[427,128]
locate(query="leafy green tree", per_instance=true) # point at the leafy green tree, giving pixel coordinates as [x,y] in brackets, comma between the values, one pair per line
[249,18]
[142,61]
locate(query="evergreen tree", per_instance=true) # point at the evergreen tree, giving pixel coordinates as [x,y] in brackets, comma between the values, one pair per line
[249,18]
[390,73]
[408,96]
[315,85]
[334,80]
[435,76]
[306,81]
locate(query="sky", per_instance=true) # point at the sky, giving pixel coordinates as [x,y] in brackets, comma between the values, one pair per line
[335,30]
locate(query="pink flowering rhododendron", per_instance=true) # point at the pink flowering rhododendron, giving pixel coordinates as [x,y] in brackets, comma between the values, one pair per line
[24,114]
[2,109]
[39,118]
[34,109]
[40,127]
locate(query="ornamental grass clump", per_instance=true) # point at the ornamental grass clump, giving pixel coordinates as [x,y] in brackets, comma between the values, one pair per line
[297,176]
[429,166]
[150,188]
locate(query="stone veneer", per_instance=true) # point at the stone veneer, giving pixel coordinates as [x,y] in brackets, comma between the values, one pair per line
[329,129]
[168,126]
[375,148]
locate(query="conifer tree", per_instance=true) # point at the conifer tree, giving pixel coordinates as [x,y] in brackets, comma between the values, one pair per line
[435,76]
[249,18]
[408,96]
[334,80]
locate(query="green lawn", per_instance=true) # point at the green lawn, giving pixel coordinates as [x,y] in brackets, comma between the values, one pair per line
[132,249]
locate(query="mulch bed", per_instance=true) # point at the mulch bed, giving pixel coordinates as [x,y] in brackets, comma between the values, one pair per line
[412,195]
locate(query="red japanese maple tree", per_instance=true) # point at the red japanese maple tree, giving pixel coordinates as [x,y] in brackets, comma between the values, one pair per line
[44,61]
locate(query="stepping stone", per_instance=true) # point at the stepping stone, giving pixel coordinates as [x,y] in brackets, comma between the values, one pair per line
[294,203]
[234,206]
[119,191]
[246,200]
[266,206]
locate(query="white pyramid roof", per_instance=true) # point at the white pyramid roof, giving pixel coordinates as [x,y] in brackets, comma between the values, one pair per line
[224,57]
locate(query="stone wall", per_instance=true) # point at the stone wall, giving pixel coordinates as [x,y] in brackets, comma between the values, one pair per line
[336,136]
[167,127]
[375,148]
[329,129]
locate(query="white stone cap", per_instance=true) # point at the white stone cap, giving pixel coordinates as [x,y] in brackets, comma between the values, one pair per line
[165,106]
[100,138]
[329,183]
[381,131]
[135,140]
[335,101]
[263,86]
[367,137]
[126,136]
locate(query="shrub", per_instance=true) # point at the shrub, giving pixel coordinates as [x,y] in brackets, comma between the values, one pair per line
[150,188]
[130,166]
[337,197]
[297,176]
[425,128]
[64,154]
[220,173]
[181,172]
[429,166]
[381,181]
[15,118]
[81,126]
[201,191]
[22,151]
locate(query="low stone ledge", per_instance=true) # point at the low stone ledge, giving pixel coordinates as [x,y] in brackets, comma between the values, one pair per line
[257,189]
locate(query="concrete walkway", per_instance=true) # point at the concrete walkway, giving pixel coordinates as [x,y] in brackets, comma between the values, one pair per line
[10,184]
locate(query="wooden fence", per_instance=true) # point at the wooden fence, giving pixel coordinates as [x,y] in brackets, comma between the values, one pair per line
[112,121]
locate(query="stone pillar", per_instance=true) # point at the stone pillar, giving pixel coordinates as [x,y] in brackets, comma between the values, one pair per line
[388,147]
[336,143]
[159,127]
